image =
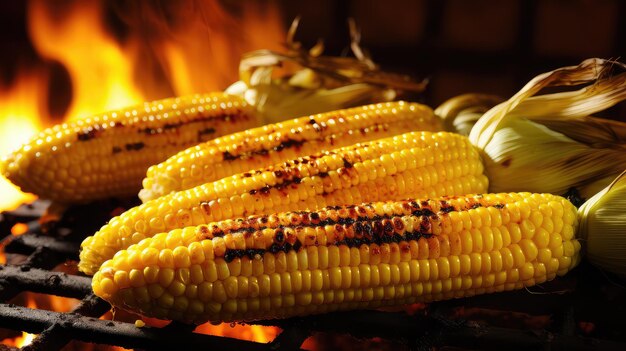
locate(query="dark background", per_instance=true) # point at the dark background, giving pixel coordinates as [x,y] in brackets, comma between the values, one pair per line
[488,46]
[493,46]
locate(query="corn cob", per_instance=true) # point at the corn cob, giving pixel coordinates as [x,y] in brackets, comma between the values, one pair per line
[107,155]
[414,164]
[274,143]
[346,257]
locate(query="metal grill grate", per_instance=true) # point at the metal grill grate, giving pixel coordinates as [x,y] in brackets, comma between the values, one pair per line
[484,322]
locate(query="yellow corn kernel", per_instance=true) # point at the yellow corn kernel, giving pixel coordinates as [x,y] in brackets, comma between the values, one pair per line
[274,143]
[311,178]
[107,155]
[355,268]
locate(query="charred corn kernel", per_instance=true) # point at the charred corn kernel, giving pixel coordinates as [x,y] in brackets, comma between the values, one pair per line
[271,189]
[355,267]
[107,155]
[275,143]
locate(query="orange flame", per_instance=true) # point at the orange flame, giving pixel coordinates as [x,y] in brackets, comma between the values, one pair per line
[188,47]
[19,108]
[192,47]
[26,338]
[257,333]
[101,73]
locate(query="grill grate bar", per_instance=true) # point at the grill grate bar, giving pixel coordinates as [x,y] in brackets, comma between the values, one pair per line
[26,244]
[44,281]
[561,301]
[90,329]
[56,336]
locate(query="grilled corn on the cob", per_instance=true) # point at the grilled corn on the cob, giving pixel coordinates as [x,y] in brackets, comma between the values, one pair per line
[346,257]
[274,143]
[107,155]
[417,164]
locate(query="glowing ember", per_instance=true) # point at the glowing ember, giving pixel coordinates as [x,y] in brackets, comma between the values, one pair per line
[19,229]
[26,338]
[248,332]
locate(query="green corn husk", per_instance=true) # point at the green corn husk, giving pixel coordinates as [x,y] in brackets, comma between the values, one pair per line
[603,227]
[549,143]
[316,83]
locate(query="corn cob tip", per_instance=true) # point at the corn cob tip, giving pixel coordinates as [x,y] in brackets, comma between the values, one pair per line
[107,155]
[91,259]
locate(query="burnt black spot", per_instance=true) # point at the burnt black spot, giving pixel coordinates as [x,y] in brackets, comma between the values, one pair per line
[265,190]
[88,133]
[252,253]
[388,227]
[297,180]
[279,236]
[228,156]
[275,248]
[297,245]
[315,217]
[423,212]
[287,144]
[350,242]
[286,248]
[475,205]
[134,146]
[499,206]
[346,163]
[116,150]
[448,209]
[252,192]
[230,255]
[204,132]
[312,121]
[279,174]
[323,174]
[247,175]
[358,229]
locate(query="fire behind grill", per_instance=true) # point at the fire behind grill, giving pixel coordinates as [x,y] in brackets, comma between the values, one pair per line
[584,310]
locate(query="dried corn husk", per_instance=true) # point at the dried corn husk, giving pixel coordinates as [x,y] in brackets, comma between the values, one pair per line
[603,227]
[460,113]
[548,143]
[312,83]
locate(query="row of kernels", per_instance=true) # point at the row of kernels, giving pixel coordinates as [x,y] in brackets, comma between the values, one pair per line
[429,290]
[384,274]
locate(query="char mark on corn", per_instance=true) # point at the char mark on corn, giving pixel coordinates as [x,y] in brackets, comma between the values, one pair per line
[107,155]
[417,164]
[279,142]
[345,257]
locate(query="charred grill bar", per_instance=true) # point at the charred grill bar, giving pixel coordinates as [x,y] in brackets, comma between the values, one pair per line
[479,322]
